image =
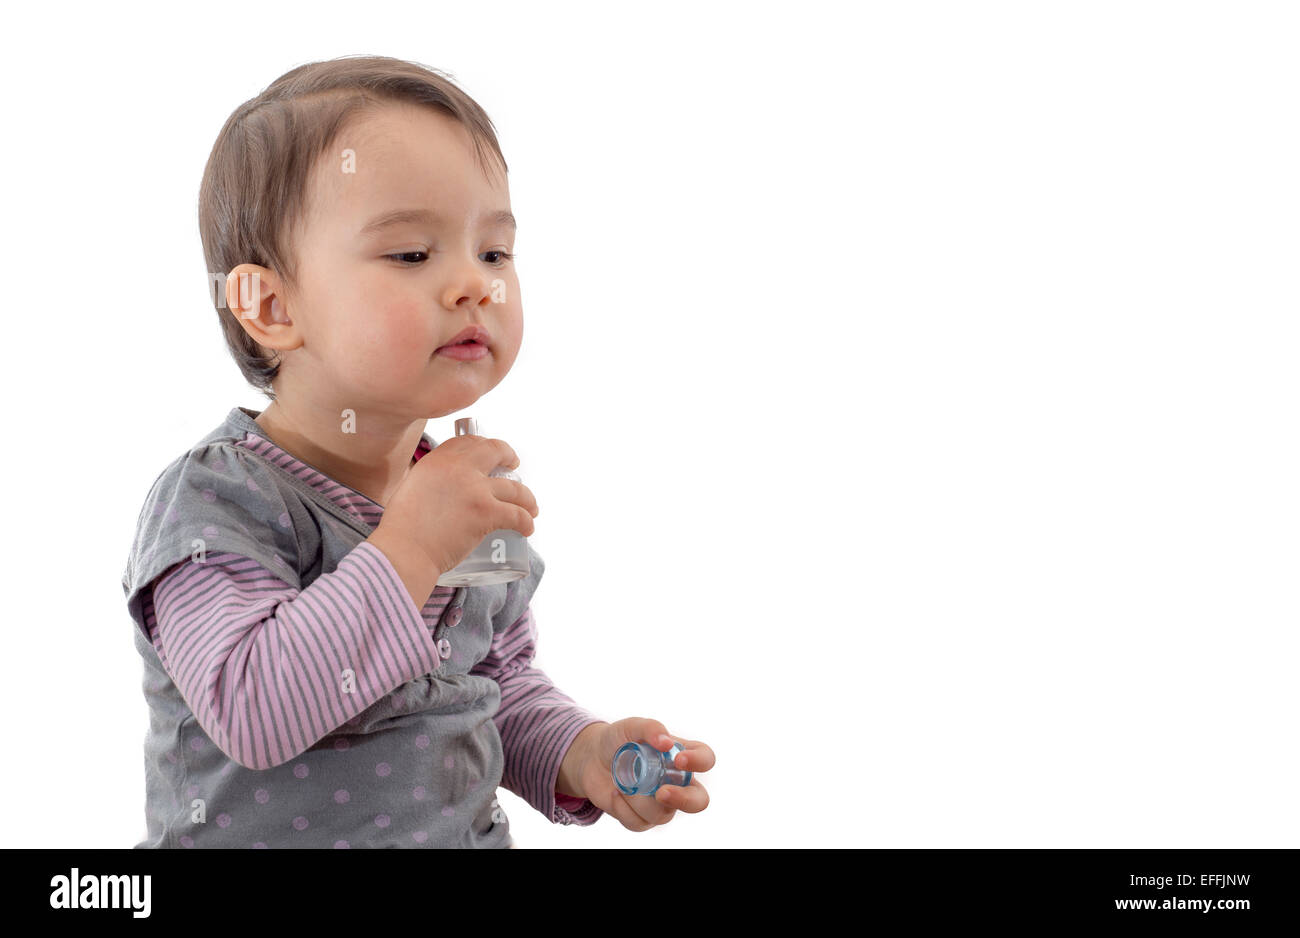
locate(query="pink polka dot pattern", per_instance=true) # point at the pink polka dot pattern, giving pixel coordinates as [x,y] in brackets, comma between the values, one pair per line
[209,495]
[342,796]
[210,531]
[422,741]
[196,743]
[342,845]
[420,837]
[300,770]
[419,792]
[448,811]
[187,841]
[252,485]
[383,769]
[223,820]
[341,743]
[259,846]
[284,519]
[261,796]
[383,820]
[300,823]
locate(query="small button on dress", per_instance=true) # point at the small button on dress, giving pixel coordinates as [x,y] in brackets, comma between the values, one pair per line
[444,648]
[453,615]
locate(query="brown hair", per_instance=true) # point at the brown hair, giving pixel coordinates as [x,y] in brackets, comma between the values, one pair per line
[255,183]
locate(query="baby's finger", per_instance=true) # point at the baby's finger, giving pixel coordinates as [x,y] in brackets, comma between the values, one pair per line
[648,730]
[692,798]
[622,809]
[665,805]
[695,756]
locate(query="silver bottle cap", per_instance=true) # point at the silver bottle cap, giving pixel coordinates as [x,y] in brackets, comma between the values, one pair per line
[466,425]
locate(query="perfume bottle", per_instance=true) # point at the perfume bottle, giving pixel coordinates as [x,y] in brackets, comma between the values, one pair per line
[503,555]
[639,768]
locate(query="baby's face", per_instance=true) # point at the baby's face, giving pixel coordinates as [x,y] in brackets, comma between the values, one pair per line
[376,303]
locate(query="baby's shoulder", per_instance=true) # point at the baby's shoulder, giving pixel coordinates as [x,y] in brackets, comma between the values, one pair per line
[224,469]
[220,493]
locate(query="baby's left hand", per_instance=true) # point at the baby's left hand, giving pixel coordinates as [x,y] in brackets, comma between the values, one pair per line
[597,745]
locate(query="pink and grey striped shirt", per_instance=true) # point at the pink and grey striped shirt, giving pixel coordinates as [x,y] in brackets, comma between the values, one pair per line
[223,628]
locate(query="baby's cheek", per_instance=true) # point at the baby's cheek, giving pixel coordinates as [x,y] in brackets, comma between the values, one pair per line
[381,354]
[511,334]
[505,354]
[401,336]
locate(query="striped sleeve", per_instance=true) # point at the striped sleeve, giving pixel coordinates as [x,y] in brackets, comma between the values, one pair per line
[264,666]
[537,723]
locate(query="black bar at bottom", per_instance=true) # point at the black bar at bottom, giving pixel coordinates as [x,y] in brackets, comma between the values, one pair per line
[496,888]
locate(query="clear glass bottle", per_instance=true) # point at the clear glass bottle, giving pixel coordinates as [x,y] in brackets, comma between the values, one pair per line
[503,555]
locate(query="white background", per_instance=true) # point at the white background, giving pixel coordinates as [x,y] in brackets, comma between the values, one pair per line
[909,391]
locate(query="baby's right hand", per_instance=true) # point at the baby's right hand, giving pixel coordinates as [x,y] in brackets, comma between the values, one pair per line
[448,504]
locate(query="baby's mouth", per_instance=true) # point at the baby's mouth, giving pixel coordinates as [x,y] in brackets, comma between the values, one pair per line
[470,335]
[470,345]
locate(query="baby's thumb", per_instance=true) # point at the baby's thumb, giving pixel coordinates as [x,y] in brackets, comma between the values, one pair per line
[652,732]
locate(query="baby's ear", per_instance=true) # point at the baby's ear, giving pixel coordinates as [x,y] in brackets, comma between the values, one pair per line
[251,295]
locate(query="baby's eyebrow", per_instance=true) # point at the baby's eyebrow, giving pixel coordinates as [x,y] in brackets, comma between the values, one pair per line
[402,216]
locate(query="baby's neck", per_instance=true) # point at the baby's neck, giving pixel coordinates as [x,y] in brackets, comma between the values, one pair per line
[373,463]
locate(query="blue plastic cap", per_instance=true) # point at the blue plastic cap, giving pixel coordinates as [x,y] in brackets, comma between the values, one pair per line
[639,768]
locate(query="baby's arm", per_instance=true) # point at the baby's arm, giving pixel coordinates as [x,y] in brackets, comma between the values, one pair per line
[262,664]
[537,723]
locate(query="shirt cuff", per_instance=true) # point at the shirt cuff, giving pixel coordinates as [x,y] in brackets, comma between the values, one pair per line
[569,803]
[566,809]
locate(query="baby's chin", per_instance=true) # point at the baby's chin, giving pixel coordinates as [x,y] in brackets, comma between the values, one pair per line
[449,397]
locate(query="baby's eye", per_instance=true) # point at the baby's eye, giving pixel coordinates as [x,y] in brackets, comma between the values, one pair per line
[401,258]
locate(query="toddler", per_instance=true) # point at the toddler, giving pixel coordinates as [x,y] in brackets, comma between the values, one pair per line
[309,683]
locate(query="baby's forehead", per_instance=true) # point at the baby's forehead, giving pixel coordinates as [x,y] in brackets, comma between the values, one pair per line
[382,169]
[403,157]
[384,132]
[408,133]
